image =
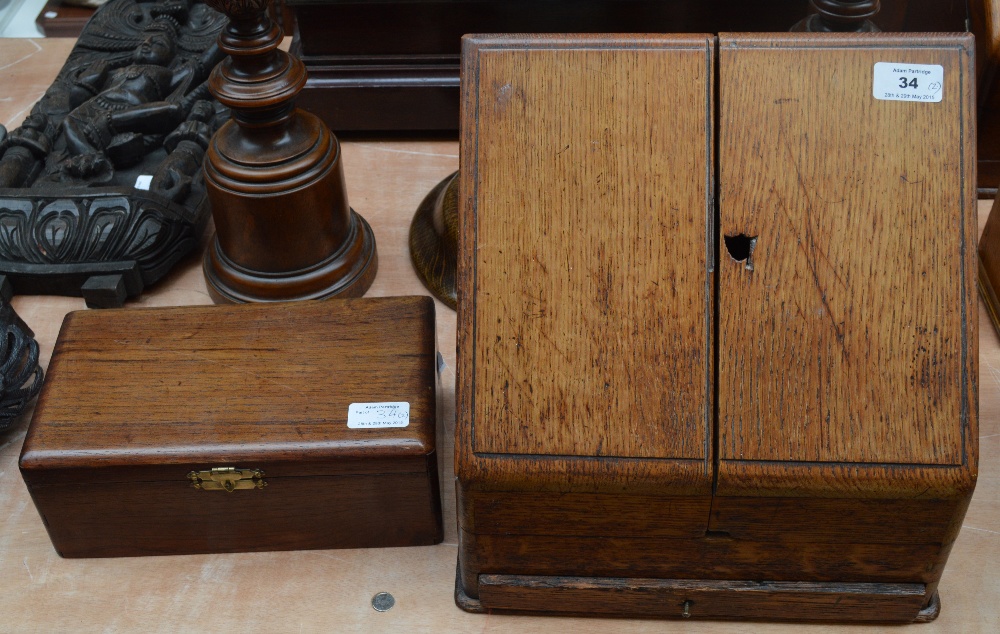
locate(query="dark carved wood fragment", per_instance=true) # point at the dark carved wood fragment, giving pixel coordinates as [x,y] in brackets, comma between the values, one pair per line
[104,178]
[20,373]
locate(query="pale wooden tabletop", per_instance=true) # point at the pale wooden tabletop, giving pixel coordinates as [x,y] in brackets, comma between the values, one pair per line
[330,591]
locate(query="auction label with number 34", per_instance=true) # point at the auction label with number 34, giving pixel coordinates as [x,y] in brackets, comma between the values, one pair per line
[897,81]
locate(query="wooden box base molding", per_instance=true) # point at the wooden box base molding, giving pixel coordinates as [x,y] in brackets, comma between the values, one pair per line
[239,428]
[717,348]
[989,264]
[683,599]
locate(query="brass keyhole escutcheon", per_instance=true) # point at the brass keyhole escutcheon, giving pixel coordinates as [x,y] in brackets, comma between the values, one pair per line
[227,479]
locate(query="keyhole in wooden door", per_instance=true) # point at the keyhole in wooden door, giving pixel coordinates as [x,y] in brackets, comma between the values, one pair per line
[741,247]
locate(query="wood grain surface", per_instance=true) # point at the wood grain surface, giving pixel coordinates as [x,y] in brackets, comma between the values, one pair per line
[610,244]
[270,383]
[584,226]
[322,591]
[724,558]
[847,376]
[717,600]
[850,335]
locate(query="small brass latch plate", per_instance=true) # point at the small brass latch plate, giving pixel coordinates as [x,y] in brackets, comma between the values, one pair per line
[227,479]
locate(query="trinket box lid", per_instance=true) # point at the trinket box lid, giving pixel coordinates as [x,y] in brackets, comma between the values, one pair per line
[251,386]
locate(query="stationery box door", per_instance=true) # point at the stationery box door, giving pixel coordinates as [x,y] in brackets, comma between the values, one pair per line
[847,301]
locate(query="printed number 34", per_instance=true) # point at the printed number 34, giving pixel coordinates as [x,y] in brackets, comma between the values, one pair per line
[904,83]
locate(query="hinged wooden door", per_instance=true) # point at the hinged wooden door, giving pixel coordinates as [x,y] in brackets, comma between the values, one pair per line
[847,305]
[586,247]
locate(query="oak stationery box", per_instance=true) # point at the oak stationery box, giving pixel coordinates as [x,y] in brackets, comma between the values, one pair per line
[239,428]
[723,363]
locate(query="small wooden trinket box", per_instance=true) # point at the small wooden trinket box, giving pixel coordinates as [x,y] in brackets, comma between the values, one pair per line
[239,428]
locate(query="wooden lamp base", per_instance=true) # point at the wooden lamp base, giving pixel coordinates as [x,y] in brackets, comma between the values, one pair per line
[347,273]
[284,228]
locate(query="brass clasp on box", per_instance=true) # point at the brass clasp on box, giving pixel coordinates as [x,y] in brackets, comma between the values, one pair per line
[227,479]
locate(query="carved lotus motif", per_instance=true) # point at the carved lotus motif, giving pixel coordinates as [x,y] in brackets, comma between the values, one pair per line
[96,228]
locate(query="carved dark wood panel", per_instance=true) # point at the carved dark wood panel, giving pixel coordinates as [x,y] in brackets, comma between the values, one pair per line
[104,177]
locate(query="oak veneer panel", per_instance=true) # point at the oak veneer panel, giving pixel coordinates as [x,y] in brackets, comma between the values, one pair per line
[589,186]
[582,514]
[584,374]
[850,336]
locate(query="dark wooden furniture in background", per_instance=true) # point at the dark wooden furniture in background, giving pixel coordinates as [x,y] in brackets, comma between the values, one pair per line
[284,228]
[61,19]
[984,22]
[394,65]
[770,413]
[58,19]
[136,400]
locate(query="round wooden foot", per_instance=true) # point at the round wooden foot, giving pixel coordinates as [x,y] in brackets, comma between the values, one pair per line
[434,240]
[347,273]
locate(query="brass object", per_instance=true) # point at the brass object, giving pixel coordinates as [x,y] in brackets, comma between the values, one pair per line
[227,479]
[434,240]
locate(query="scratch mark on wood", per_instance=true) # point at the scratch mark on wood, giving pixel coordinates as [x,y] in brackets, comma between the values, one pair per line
[815,251]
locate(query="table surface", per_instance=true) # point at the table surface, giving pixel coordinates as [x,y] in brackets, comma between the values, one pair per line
[331,591]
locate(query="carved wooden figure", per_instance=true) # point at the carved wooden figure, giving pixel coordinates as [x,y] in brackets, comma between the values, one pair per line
[101,190]
[732,385]
[284,229]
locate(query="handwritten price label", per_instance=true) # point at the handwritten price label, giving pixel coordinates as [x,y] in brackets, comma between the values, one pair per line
[896,81]
[378,415]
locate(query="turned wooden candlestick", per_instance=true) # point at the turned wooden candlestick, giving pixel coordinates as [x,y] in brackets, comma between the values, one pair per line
[841,16]
[284,229]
